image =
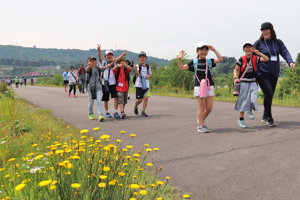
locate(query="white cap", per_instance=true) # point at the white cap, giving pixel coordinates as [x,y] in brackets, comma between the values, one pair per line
[108,52]
[247,43]
[202,44]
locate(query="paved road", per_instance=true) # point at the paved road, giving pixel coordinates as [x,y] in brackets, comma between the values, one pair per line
[259,162]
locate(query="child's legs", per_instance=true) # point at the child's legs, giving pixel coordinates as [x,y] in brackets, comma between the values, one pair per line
[209,105]
[70,88]
[106,105]
[99,104]
[201,109]
[138,102]
[145,103]
[242,114]
[74,89]
[91,103]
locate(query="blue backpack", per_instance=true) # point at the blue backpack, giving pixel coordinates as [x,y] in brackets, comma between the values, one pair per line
[209,66]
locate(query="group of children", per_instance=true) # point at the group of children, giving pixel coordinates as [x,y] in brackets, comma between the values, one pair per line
[245,70]
[113,73]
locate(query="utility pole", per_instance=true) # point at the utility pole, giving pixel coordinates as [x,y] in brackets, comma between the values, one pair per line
[21,57]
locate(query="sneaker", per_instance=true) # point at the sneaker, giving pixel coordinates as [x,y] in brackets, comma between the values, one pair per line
[203,129]
[100,118]
[135,109]
[91,116]
[107,115]
[123,115]
[143,114]
[65,90]
[69,94]
[250,114]
[270,122]
[83,92]
[74,96]
[263,119]
[116,115]
[242,124]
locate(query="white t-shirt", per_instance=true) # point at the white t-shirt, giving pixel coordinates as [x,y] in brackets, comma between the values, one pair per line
[144,73]
[73,80]
[112,77]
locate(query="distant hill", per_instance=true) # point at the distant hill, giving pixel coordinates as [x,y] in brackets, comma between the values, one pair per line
[63,55]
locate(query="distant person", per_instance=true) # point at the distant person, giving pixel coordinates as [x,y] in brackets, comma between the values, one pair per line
[25,81]
[76,72]
[8,82]
[31,81]
[17,82]
[268,72]
[72,81]
[82,75]
[109,81]
[246,71]
[21,81]
[66,79]
[94,87]
[122,71]
[142,84]
[201,67]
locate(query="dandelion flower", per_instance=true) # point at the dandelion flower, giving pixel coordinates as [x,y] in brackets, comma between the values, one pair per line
[44,183]
[136,155]
[102,177]
[167,178]
[20,187]
[160,182]
[134,186]
[84,131]
[149,164]
[111,182]
[148,149]
[75,185]
[156,149]
[104,137]
[143,192]
[186,196]
[96,129]
[34,145]
[12,159]
[106,169]
[132,135]
[135,193]
[122,132]
[1,169]
[52,187]
[101,185]
[121,174]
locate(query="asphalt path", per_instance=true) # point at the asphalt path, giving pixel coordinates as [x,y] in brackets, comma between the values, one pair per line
[259,162]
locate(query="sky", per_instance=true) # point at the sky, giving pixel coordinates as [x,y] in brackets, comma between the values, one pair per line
[158,27]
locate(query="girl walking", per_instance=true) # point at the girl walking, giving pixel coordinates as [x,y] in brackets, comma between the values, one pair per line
[201,67]
[72,81]
[246,71]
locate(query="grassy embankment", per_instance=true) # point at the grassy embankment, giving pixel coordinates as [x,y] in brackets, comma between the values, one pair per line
[42,157]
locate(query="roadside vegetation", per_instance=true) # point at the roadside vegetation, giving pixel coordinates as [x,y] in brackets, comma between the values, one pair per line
[42,157]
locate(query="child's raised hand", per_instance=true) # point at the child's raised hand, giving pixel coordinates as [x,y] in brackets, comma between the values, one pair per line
[181,54]
[211,48]
[125,53]
[255,51]
[114,60]
[99,46]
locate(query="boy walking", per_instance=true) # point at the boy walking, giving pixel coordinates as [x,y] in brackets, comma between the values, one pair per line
[122,71]
[142,84]
[66,79]
[109,80]
[94,87]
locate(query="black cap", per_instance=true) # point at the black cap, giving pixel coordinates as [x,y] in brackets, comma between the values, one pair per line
[266,25]
[142,53]
[91,57]
[72,67]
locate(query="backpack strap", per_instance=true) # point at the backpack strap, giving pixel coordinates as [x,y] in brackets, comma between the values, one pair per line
[244,62]
[258,44]
[254,61]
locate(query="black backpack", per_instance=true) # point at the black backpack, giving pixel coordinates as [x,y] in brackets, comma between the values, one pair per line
[140,68]
[90,74]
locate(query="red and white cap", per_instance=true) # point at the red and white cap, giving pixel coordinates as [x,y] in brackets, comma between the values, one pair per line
[108,52]
[247,43]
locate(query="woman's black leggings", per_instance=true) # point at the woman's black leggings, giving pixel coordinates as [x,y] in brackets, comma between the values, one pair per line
[268,86]
[71,88]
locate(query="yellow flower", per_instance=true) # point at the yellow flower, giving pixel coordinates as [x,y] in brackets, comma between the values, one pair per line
[111,182]
[84,131]
[96,129]
[52,187]
[6,176]
[149,164]
[75,185]
[134,186]
[186,196]
[125,150]
[67,173]
[44,183]
[146,145]
[160,182]
[54,182]
[12,159]
[159,198]
[75,157]
[132,199]
[135,193]
[68,126]
[69,166]
[34,145]
[148,149]
[20,187]
[122,132]
[121,174]
[59,152]
[103,177]
[38,157]
[106,169]
[1,169]
[132,135]
[143,192]
[118,141]
[104,137]
[167,178]
[156,149]
[101,185]
[143,186]
[136,155]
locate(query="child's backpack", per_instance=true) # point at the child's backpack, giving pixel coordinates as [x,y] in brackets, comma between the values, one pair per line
[140,68]
[209,66]
[90,74]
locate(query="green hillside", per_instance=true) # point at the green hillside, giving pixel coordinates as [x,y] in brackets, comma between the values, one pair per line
[62,55]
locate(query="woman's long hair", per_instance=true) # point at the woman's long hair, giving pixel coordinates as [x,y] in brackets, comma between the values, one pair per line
[273,35]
